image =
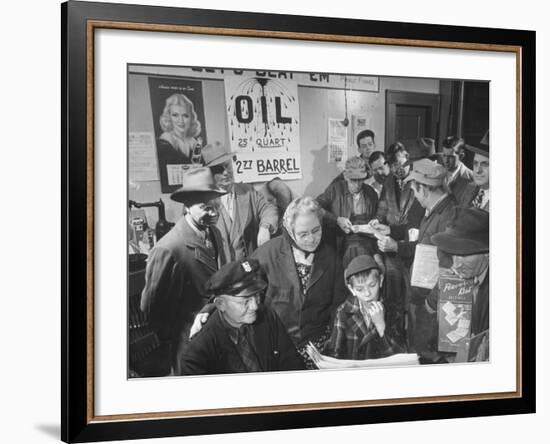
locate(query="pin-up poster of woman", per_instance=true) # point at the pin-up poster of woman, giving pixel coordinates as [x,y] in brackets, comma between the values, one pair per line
[178,117]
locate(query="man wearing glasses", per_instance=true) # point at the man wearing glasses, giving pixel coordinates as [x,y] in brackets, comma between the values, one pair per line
[246,219]
[242,335]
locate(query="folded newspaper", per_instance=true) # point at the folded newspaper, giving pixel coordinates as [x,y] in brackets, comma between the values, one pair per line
[326,362]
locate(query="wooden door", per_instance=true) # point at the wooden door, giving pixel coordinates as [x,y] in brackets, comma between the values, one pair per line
[410,115]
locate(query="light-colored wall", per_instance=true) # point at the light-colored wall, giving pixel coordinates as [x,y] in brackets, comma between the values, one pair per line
[316,106]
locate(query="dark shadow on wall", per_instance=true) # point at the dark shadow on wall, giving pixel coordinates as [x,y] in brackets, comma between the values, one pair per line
[322,173]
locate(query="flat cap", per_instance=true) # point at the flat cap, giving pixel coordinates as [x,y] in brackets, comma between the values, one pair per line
[428,172]
[239,278]
[359,264]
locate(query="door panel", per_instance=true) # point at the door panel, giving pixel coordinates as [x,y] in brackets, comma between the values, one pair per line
[411,122]
[411,115]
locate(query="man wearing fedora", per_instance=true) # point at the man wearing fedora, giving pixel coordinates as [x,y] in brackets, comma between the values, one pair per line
[242,335]
[350,203]
[180,264]
[467,241]
[477,194]
[246,219]
[427,180]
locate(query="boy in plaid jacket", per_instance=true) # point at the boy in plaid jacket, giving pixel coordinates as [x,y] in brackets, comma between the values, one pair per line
[362,329]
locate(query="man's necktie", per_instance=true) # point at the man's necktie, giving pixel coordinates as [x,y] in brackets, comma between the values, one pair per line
[479,198]
[248,355]
[207,240]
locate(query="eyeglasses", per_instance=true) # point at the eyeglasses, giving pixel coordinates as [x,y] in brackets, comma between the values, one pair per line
[219,169]
[246,302]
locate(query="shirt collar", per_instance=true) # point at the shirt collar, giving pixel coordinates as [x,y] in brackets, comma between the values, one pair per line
[452,177]
[436,203]
[231,331]
[194,227]
[300,256]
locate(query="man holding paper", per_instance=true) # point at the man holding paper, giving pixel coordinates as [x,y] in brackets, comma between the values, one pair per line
[427,182]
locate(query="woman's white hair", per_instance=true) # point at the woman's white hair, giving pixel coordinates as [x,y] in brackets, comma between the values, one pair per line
[301,205]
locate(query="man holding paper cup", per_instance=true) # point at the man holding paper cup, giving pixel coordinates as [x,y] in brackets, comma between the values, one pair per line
[427,180]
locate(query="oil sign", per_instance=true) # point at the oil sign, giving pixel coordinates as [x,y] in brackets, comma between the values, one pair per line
[264,129]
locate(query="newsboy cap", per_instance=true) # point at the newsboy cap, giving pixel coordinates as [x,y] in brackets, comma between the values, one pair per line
[467,235]
[238,278]
[360,263]
[428,172]
[198,185]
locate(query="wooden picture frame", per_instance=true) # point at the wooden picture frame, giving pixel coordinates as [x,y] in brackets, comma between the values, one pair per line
[80,22]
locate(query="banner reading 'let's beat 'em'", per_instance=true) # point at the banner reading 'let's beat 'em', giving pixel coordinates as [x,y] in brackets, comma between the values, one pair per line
[264,129]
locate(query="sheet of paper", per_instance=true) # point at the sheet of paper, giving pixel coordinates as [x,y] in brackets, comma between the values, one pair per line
[454,336]
[464,323]
[337,141]
[451,319]
[449,307]
[142,157]
[425,271]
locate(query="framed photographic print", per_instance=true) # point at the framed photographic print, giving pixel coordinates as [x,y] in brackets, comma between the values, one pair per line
[262,212]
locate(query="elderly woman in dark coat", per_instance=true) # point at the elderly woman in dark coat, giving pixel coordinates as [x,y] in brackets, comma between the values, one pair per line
[305,276]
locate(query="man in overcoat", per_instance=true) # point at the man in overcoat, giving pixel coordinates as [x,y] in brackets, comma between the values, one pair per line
[242,335]
[246,219]
[427,181]
[180,264]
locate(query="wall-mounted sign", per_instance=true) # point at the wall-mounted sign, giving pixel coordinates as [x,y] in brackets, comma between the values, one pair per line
[264,129]
[313,79]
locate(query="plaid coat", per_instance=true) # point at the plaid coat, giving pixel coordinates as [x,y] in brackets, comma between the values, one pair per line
[351,338]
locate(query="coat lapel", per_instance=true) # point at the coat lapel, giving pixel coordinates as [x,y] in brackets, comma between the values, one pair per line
[241,214]
[320,264]
[287,259]
[193,241]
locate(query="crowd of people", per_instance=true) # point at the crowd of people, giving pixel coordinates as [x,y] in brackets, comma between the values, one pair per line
[248,278]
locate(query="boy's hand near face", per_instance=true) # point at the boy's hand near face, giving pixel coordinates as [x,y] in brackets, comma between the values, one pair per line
[376,313]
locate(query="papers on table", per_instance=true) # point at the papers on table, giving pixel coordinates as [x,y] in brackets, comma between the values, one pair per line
[326,362]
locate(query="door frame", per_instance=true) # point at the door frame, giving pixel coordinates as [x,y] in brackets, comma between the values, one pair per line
[411,98]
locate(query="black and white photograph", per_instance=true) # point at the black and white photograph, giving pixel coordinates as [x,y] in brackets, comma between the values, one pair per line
[283,221]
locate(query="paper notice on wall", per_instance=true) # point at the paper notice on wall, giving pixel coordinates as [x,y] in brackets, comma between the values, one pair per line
[337,142]
[142,157]
[263,117]
[425,269]
[359,122]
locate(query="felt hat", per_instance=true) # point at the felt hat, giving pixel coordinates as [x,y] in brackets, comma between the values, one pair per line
[198,185]
[241,278]
[468,234]
[428,172]
[482,147]
[215,154]
[419,148]
[360,263]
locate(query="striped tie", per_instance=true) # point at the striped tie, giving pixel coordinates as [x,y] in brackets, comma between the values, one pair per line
[479,198]
[246,352]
